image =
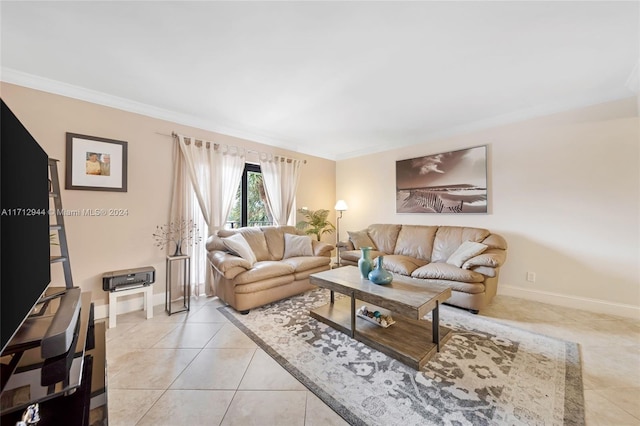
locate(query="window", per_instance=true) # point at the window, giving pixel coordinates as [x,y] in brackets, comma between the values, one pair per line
[250,207]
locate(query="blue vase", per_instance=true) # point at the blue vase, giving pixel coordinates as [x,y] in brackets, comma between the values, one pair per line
[380,275]
[364,263]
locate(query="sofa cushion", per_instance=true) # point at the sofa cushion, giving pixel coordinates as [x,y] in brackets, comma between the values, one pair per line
[303,275]
[237,244]
[308,262]
[400,264]
[255,238]
[263,270]
[360,239]
[263,285]
[416,241]
[384,236]
[471,288]
[275,239]
[493,258]
[449,238]
[444,271]
[297,245]
[354,255]
[466,251]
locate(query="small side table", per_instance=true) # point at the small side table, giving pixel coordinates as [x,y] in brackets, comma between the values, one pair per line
[186,281]
[113,298]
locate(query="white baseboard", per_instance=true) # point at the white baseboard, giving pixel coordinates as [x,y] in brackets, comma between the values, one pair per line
[584,303]
[593,305]
[134,303]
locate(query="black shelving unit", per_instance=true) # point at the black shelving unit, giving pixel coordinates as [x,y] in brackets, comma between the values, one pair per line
[66,385]
[59,227]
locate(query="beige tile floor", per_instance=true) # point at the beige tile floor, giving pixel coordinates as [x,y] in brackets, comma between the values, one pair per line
[197,368]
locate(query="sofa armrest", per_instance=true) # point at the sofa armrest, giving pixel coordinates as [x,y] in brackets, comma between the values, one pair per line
[495,241]
[346,245]
[321,249]
[228,264]
[214,243]
[487,271]
[493,258]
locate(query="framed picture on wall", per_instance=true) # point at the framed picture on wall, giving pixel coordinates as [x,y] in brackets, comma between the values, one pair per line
[449,182]
[96,164]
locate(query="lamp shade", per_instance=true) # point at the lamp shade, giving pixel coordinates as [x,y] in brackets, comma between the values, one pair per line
[341,206]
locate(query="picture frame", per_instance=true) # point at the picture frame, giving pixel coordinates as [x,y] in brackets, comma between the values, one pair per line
[95,163]
[448,182]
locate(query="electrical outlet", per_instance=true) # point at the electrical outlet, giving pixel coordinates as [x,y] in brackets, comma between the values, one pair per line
[531,277]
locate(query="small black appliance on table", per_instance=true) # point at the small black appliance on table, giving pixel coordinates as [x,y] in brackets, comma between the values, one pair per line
[126,282]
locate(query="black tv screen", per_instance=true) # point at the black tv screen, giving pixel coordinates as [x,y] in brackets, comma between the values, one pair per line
[24,223]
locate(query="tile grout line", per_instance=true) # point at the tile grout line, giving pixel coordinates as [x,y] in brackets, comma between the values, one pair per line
[164,391]
[235,392]
[592,326]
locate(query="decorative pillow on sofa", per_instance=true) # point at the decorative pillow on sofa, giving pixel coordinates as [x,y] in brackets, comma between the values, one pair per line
[466,251]
[361,239]
[239,246]
[297,245]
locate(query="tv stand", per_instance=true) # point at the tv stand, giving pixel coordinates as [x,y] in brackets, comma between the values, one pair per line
[64,385]
[53,333]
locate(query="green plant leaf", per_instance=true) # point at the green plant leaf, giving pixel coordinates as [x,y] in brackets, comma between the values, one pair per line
[315,222]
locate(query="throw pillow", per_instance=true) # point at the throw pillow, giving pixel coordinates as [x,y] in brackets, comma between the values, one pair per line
[466,251]
[297,245]
[239,246]
[361,239]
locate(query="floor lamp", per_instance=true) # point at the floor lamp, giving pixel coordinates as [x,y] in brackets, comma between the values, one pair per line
[341,207]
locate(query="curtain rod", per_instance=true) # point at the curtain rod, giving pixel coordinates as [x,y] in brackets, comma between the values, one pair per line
[174,134]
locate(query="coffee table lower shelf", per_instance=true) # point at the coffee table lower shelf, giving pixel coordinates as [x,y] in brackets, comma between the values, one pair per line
[408,340]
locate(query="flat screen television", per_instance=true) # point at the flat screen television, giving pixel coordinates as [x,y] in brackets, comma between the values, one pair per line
[24,223]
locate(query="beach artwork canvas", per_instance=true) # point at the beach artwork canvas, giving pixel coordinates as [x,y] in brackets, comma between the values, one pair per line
[450,182]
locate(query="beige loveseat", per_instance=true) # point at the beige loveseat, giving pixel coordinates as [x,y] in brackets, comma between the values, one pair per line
[284,259]
[435,254]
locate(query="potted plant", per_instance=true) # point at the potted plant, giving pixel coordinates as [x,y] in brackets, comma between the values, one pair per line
[315,222]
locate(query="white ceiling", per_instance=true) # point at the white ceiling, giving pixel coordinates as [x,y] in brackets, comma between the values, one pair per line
[333,79]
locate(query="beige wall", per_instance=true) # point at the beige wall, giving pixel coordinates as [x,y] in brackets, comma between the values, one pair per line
[101,244]
[564,190]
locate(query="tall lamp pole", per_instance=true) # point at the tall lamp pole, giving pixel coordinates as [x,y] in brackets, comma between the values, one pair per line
[341,206]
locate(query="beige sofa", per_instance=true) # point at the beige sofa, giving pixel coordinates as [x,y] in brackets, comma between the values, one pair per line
[281,267]
[435,254]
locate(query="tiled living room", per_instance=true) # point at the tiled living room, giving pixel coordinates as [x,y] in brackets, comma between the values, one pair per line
[485,154]
[200,369]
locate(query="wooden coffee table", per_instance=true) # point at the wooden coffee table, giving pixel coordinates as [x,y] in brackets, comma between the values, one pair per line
[411,339]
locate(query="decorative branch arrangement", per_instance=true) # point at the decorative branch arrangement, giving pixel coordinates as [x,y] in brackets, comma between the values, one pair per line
[179,232]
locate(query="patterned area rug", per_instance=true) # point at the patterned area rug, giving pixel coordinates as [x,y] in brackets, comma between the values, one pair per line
[486,374]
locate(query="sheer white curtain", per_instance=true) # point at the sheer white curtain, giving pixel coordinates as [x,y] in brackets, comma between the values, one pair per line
[183,201]
[280,176]
[206,175]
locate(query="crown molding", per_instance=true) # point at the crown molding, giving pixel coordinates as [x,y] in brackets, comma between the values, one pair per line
[20,78]
[497,121]
[31,81]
